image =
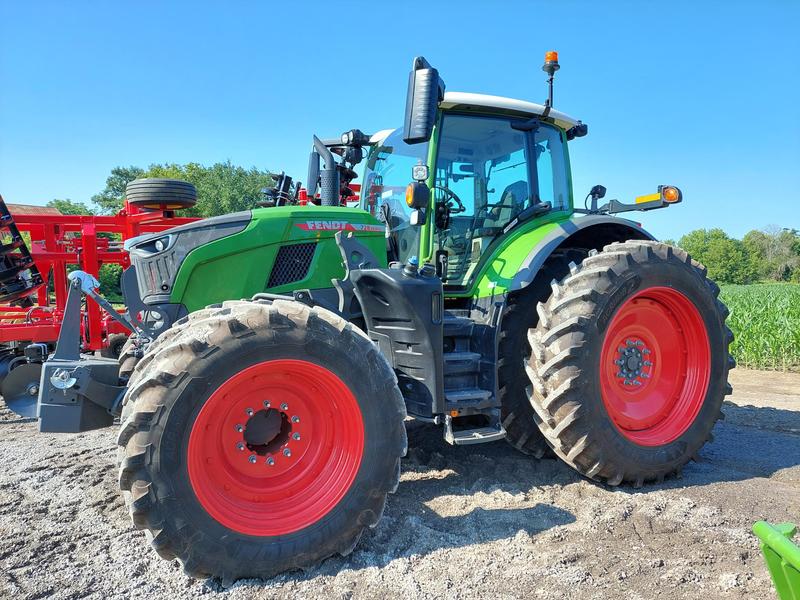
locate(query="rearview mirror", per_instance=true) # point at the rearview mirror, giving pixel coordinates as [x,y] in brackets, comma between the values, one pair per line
[425,90]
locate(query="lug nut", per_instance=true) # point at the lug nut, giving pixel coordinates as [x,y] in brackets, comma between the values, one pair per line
[295,436]
[266,404]
[271,461]
[647,363]
[240,446]
[249,412]
[295,419]
[252,458]
[238,427]
[284,406]
[287,452]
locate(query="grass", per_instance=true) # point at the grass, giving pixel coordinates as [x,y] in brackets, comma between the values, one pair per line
[765,319]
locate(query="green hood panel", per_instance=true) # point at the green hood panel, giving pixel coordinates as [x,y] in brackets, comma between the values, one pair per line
[239,265]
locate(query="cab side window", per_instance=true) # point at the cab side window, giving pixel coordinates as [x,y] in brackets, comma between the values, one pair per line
[551,167]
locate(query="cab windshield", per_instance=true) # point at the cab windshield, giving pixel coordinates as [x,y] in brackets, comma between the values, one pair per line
[387,174]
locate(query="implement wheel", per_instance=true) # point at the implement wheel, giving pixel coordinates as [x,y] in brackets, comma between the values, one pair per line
[260,438]
[161,194]
[630,363]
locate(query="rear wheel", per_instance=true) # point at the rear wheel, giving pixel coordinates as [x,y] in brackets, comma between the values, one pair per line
[264,437]
[630,363]
[514,352]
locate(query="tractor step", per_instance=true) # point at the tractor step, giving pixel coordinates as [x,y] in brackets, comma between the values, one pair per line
[461,363]
[471,398]
[457,326]
[477,435]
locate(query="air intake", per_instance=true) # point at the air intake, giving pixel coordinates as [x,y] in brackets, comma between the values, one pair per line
[291,264]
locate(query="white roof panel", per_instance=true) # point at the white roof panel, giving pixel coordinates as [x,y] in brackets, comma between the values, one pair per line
[455,99]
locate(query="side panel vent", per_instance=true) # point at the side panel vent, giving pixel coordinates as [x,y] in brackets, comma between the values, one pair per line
[291,264]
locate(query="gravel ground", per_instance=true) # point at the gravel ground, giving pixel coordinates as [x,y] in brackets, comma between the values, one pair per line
[480,521]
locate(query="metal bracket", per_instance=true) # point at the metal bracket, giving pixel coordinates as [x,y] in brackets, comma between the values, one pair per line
[355,256]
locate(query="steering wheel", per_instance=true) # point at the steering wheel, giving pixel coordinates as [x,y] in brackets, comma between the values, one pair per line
[452,197]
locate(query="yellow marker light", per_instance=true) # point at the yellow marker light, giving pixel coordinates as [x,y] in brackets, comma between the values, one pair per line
[671,194]
[410,194]
[551,56]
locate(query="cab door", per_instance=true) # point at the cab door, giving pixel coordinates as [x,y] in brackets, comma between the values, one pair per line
[488,174]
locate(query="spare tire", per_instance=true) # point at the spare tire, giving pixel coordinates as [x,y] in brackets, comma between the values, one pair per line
[161,194]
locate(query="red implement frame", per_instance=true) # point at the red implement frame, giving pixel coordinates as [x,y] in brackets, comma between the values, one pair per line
[61,240]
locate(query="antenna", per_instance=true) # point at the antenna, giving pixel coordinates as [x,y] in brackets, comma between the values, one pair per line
[550,67]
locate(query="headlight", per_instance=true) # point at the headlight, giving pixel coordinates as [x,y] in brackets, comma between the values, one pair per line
[161,244]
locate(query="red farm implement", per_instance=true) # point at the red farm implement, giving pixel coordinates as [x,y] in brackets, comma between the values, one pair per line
[37,249]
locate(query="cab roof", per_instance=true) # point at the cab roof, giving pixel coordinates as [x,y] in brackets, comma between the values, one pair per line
[470,101]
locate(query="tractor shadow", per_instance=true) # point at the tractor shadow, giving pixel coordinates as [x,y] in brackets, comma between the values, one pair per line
[448,498]
[456,497]
[752,442]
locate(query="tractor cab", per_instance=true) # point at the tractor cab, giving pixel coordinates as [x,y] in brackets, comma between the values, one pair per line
[489,170]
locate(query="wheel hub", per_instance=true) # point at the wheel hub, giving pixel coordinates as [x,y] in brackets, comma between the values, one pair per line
[633,362]
[267,433]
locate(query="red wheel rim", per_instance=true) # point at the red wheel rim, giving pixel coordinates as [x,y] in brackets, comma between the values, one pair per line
[293,478]
[655,366]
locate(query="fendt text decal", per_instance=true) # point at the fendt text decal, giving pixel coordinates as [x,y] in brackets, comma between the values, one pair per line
[337,226]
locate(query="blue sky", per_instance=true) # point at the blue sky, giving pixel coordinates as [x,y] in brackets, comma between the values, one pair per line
[704,95]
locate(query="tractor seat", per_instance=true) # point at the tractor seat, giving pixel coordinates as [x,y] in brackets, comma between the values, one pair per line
[512,201]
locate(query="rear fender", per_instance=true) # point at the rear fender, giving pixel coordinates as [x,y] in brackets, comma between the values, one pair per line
[587,232]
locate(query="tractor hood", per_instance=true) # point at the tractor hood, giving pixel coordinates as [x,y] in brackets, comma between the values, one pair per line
[158,256]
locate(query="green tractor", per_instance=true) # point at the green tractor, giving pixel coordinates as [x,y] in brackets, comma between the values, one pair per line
[465,290]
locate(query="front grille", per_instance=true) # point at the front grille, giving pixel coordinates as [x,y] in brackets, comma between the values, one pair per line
[155,272]
[291,264]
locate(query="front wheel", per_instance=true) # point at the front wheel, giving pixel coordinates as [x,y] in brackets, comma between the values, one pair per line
[630,363]
[261,438]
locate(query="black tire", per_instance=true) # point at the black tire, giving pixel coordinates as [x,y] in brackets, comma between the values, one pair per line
[175,379]
[116,345]
[128,358]
[565,362]
[161,194]
[514,350]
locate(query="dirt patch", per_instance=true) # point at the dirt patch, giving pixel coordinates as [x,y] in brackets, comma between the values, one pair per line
[479,521]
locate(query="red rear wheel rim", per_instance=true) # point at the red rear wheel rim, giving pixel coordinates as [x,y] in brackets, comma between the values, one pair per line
[655,366]
[269,485]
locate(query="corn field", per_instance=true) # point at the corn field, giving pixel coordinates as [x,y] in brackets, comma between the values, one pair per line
[765,319]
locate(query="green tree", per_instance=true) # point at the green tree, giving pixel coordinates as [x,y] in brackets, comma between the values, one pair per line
[774,253]
[68,207]
[221,188]
[724,257]
[109,277]
[756,244]
[111,199]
